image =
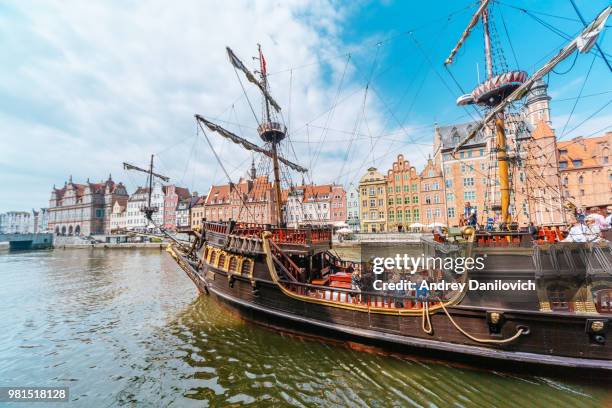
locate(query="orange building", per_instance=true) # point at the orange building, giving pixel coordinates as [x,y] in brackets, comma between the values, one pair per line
[433,203]
[586,171]
[403,199]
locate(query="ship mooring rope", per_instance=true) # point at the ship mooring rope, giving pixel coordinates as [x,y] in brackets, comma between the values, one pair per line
[478,340]
[426,319]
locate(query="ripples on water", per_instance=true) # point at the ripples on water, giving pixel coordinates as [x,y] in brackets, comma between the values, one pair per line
[125,328]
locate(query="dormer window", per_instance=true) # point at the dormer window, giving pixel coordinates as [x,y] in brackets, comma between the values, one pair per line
[577,163]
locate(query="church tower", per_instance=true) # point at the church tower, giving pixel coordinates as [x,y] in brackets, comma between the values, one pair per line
[537,104]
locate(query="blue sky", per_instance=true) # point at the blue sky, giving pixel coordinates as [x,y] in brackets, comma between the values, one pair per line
[85,86]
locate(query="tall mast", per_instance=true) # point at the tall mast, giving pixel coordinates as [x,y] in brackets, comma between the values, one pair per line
[148,210]
[497,99]
[272,132]
[487,42]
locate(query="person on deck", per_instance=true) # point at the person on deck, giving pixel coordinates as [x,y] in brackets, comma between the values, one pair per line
[609,215]
[533,231]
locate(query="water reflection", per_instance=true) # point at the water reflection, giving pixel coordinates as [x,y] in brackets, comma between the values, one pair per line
[127,328]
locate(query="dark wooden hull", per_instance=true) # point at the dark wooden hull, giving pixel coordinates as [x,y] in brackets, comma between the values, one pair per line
[554,340]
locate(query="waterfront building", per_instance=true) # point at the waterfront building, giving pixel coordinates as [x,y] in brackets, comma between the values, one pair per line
[470,175]
[118,218]
[315,204]
[249,200]
[403,195]
[173,195]
[586,170]
[135,218]
[16,222]
[433,200]
[183,211]
[373,194]
[353,208]
[84,209]
[196,213]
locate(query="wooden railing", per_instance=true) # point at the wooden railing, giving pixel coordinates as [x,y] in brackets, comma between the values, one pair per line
[349,296]
[300,236]
[287,264]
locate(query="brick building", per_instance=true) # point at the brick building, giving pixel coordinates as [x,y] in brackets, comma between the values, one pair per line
[585,169]
[403,195]
[433,204]
[315,204]
[84,209]
[196,213]
[250,200]
[173,195]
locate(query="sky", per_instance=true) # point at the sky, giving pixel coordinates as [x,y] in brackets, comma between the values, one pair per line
[85,86]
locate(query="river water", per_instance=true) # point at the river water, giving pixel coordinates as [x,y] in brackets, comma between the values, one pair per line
[126,327]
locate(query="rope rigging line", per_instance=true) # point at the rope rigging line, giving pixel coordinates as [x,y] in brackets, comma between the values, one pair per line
[330,113]
[578,99]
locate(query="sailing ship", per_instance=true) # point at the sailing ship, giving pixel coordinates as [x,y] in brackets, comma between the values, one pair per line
[290,278]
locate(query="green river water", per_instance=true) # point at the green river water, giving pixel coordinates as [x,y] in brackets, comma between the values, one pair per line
[127,328]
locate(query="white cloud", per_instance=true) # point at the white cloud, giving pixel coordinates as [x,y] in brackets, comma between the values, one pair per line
[97,83]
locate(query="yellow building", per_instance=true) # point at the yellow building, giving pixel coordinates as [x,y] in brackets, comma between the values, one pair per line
[372,192]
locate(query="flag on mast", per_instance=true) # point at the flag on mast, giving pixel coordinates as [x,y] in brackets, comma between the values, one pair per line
[263,62]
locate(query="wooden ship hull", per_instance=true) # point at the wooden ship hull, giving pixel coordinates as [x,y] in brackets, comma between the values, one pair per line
[248,274]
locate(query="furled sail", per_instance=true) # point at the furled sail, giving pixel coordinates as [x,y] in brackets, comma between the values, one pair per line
[239,65]
[246,144]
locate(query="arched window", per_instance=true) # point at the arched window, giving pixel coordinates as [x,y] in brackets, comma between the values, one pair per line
[213,257]
[77,230]
[221,263]
[64,230]
[57,231]
[233,264]
[70,230]
[246,266]
[580,180]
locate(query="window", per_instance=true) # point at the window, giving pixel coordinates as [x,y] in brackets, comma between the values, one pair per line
[391,216]
[577,163]
[406,188]
[390,201]
[428,213]
[563,165]
[398,189]
[372,191]
[449,183]
[450,197]
[431,173]
[407,200]
[414,187]
[427,200]
[426,187]
[562,151]
[407,214]
[468,181]
[462,155]
[399,215]
[436,199]
[469,195]
[390,190]
[364,203]
[451,211]
[469,153]
[372,202]
[481,152]
[397,177]
[437,213]
[398,200]
[405,176]
[581,192]
[558,297]
[415,214]
[580,180]
[462,167]
[605,159]
[415,199]
[483,166]
[447,156]
[435,186]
